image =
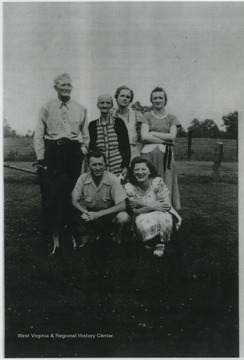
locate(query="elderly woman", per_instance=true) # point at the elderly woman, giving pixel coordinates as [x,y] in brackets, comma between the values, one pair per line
[149,203]
[109,135]
[124,96]
[158,132]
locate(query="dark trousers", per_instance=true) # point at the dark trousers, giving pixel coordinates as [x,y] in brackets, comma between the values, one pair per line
[64,161]
[109,226]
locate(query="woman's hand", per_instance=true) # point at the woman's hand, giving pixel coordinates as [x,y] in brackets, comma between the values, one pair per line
[160,136]
[135,203]
[160,206]
[124,172]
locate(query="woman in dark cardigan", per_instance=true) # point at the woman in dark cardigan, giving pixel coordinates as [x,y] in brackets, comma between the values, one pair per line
[109,135]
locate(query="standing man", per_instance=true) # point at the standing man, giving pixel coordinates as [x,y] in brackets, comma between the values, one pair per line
[99,200]
[61,140]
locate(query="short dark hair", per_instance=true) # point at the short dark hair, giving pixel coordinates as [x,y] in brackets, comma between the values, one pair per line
[124,87]
[139,160]
[96,154]
[159,89]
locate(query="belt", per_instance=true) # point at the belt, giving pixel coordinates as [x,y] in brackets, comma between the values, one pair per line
[168,156]
[63,141]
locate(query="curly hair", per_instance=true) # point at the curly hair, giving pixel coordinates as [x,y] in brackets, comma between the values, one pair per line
[140,160]
[159,89]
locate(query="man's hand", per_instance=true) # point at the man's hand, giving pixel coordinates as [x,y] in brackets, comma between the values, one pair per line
[85,216]
[84,149]
[40,166]
[93,215]
[89,216]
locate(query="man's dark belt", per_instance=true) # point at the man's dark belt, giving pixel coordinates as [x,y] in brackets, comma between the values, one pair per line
[168,156]
[61,142]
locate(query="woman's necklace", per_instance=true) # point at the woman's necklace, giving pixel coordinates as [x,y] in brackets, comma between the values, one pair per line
[139,190]
[159,116]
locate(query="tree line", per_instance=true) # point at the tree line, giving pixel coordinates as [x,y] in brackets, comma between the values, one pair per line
[199,129]
[208,128]
[8,132]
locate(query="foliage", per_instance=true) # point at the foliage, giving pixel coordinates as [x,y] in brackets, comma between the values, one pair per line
[29,134]
[181,132]
[206,128]
[8,132]
[141,108]
[231,125]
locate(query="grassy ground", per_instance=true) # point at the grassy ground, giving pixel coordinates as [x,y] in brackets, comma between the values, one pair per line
[202,149]
[183,305]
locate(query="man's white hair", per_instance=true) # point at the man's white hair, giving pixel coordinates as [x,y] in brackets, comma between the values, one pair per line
[61,77]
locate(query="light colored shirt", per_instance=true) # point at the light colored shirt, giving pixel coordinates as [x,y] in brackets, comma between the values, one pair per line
[157,191]
[109,192]
[59,120]
[130,119]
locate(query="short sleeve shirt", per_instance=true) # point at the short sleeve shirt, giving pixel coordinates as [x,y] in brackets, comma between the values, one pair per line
[109,192]
[159,124]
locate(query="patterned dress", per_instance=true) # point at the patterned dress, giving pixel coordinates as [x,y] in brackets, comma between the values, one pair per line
[154,223]
[162,155]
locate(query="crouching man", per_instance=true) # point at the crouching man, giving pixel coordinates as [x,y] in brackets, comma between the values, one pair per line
[99,202]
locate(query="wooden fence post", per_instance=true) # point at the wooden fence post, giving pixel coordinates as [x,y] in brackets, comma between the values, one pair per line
[218,156]
[189,145]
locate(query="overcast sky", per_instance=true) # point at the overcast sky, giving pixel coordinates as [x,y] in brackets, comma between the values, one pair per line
[193,50]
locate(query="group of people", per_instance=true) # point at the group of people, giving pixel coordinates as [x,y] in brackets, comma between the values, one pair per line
[125,192]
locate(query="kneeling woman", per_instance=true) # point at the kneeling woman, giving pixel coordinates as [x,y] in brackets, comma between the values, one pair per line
[149,202]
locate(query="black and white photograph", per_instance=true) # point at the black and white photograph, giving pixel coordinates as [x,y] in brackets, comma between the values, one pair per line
[120,179]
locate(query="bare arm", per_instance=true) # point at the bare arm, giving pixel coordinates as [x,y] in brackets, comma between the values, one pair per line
[139,208]
[147,136]
[151,207]
[161,203]
[166,136]
[77,205]
[76,196]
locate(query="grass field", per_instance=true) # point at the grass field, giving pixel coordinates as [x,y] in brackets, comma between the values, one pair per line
[19,149]
[182,305]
